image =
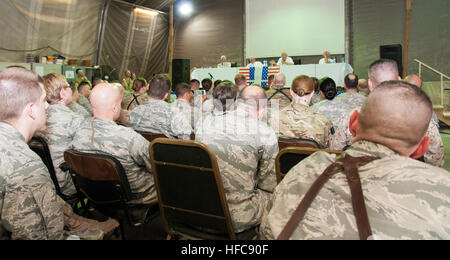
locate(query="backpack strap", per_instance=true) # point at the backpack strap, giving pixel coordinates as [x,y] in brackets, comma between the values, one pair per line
[350,166]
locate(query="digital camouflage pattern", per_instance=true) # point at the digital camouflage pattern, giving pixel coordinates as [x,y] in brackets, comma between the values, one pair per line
[159,117]
[434,156]
[29,206]
[405,198]
[84,102]
[61,126]
[316,99]
[245,149]
[78,109]
[186,110]
[132,101]
[334,109]
[298,121]
[103,136]
[77,81]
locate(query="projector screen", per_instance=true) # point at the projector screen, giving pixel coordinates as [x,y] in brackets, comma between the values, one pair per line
[299,27]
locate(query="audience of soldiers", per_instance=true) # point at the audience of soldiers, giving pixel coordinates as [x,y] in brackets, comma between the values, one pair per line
[385,127]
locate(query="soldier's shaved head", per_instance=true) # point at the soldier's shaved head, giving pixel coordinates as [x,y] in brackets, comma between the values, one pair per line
[396,114]
[253,99]
[382,70]
[105,100]
[415,80]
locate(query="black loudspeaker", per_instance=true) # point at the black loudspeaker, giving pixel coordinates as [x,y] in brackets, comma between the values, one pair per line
[393,52]
[181,70]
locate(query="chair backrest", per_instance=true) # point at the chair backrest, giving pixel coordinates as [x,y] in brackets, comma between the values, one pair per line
[151,136]
[189,187]
[100,177]
[291,156]
[297,142]
[40,147]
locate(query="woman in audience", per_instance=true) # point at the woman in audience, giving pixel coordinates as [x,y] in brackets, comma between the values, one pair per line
[298,121]
[331,107]
[62,123]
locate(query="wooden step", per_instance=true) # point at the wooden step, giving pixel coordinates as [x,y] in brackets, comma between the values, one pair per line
[443,116]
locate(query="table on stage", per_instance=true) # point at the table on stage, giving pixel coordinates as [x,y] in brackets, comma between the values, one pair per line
[336,71]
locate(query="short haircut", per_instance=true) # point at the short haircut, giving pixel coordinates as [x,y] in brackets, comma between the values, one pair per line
[159,86]
[383,70]
[139,83]
[194,81]
[217,82]
[78,70]
[53,83]
[82,85]
[181,89]
[18,87]
[240,79]
[253,96]
[351,83]
[328,88]
[207,84]
[223,92]
[302,85]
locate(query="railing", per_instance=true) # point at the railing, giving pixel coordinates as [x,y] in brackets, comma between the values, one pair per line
[435,71]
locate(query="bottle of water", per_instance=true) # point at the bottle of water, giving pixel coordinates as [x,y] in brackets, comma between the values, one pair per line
[343,58]
[265,63]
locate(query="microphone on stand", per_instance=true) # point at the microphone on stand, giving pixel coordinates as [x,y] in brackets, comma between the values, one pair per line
[211,76]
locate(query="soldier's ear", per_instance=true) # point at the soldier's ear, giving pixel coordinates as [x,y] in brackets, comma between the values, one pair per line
[353,123]
[421,149]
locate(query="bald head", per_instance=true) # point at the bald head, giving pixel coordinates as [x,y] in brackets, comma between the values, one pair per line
[396,114]
[280,80]
[105,100]
[382,70]
[415,80]
[253,99]
[363,86]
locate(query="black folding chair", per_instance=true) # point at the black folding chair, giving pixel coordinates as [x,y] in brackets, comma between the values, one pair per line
[190,191]
[101,178]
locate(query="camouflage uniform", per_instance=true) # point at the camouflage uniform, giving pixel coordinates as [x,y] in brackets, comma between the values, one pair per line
[134,100]
[336,108]
[245,149]
[84,102]
[29,206]
[103,136]
[186,110]
[61,126]
[129,84]
[405,198]
[283,101]
[434,155]
[316,99]
[298,121]
[157,116]
[78,109]
[77,81]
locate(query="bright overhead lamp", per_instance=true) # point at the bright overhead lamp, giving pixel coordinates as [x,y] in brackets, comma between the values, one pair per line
[185,8]
[144,11]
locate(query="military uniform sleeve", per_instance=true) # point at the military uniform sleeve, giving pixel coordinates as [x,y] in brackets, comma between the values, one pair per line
[138,148]
[342,137]
[32,211]
[266,177]
[180,126]
[435,154]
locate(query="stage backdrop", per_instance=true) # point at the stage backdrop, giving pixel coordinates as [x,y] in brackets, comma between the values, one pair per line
[299,27]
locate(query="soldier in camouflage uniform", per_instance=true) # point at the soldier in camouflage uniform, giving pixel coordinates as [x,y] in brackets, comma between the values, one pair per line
[405,198]
[29,206]
[335,107]
[81,78]
[351,96]
[83,100]
[380,71]
[245,148]
[139,96]
[183,103]
[75,106]
[157,116]
[102,135]
[61,126]
[298,121]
